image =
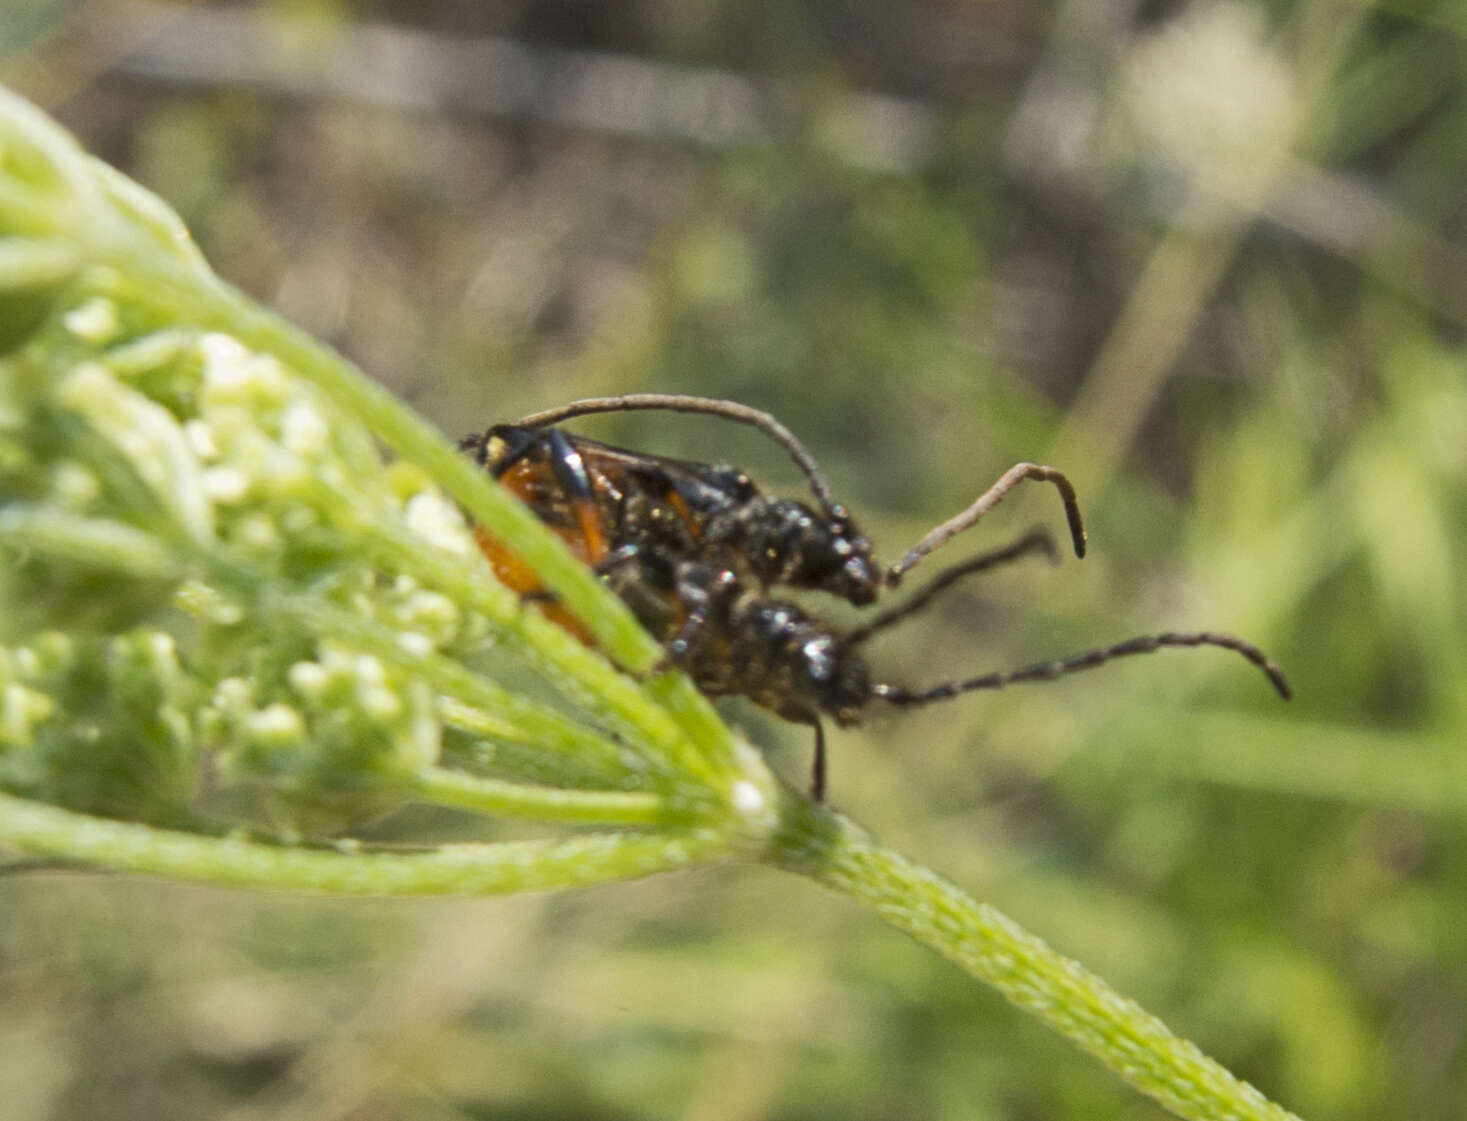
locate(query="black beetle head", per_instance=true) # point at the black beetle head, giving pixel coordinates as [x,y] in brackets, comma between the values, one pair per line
[850,570]
[838,680]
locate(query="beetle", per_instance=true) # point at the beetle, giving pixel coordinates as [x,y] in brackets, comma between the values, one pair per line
[698,552]
[729,521]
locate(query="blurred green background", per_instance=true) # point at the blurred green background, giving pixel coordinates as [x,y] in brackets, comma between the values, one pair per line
[1208,258]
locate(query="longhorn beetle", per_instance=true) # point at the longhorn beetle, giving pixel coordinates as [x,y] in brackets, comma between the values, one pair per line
[694,549]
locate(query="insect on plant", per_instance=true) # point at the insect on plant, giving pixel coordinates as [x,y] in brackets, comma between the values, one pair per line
[696,550]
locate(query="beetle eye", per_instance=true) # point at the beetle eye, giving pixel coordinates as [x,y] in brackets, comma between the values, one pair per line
[862,580]
[818,659]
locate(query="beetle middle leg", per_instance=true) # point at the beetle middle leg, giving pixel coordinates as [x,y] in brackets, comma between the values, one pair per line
[1035,541]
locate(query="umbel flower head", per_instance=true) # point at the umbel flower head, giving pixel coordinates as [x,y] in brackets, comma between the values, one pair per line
[223,605]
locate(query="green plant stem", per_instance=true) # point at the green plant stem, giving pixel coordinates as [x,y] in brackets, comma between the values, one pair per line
[1301,758]
[481,869]
[523,720]
[445,787]
[1131,1042]
[35,262]
[505,746]
[97,541]
[597,685]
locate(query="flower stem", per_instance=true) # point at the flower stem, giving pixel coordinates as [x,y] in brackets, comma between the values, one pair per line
[445,787]
[1134,1044]
[479,869]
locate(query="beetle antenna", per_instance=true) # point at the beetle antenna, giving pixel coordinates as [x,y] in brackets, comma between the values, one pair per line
[711,406]
[942,534]
[1035,541]
[1048,671]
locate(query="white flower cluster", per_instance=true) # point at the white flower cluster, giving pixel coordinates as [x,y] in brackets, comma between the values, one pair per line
[99,722]
[267,498]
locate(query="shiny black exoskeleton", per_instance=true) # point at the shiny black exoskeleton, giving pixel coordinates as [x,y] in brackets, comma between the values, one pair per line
[714,513]
[696,549]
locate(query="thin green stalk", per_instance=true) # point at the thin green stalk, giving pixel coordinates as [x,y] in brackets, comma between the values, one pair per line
[96,541]
[633,709]
[1418,771]
[1131,1042]
[36,262]
[548,803]
[507,742]
[479,869]
[535,725]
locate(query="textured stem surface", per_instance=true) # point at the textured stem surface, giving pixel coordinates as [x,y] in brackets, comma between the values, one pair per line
[1069,998]
[479,869]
